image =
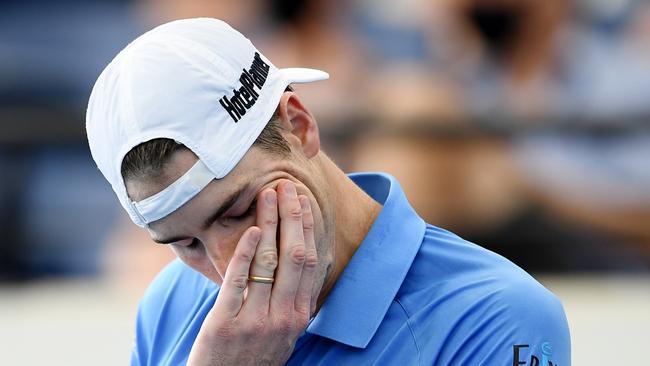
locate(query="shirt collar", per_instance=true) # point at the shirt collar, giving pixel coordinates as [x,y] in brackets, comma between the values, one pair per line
[357,304]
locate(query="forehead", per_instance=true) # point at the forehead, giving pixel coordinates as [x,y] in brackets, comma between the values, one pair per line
[181,161]
[242,179]
[215,199]
[218,195]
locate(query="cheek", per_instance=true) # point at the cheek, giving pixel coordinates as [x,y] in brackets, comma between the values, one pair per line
[324,230]
[219,248]
[198,260]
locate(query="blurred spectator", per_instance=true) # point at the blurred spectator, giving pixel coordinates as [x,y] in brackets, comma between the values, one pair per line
[247,14]
[320,34]
[56,212]
[522,124]
[55,208]
[607,61]
[570,68]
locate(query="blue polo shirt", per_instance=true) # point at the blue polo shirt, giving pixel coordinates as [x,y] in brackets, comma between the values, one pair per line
[412,294]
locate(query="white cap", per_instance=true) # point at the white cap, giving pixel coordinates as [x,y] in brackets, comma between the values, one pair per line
[196,81]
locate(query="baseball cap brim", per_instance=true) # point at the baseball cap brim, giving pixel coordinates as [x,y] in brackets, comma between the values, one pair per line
[302,75]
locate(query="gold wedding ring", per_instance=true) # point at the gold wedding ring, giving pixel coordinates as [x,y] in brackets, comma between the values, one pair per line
[261,279]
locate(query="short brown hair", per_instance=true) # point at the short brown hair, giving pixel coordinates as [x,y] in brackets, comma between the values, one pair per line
[146,160]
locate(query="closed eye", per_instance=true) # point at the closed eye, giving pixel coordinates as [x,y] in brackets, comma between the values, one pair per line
[244,215]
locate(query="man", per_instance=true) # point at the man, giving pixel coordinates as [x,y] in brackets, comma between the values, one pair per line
[284,258]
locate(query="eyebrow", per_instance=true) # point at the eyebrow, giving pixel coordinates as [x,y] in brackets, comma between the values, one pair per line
[227,205]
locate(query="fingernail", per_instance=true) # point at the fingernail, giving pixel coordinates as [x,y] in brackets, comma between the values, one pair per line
[270,198]
[304,204]
[289,188]
[255,236]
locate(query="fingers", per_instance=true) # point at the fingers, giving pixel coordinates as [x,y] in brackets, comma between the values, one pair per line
[231,295]
[292,248]
[266,256]
[303,303]
[249,336]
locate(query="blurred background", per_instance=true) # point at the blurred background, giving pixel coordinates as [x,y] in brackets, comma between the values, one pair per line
[522,125]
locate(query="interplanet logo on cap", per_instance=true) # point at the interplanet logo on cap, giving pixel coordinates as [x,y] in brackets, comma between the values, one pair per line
[245,96]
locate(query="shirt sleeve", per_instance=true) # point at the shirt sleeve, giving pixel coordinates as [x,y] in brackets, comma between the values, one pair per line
[519,323]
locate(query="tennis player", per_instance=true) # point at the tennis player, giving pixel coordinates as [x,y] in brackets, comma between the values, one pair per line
[283,258]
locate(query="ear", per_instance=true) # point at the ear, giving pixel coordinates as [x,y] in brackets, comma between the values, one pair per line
[295,117]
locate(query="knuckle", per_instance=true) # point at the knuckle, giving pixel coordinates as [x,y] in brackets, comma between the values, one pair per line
[268,260]
[255,328]
[294,213]
[297,253]
[308,224]
[270,222]
[284,326]
[245,256]
[311,260]
[303,319]
[239,281]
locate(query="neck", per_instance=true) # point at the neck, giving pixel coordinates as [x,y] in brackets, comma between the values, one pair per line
[353,212]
